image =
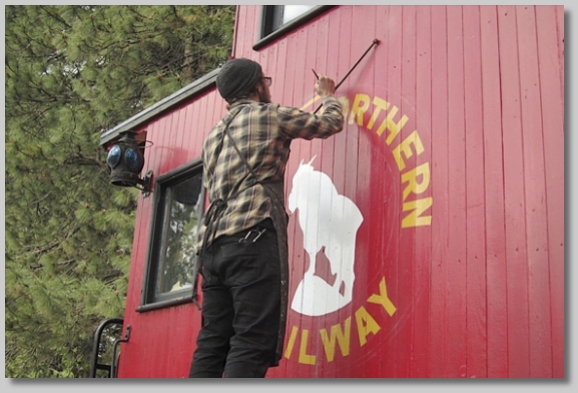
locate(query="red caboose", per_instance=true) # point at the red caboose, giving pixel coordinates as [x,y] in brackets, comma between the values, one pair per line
[439,210]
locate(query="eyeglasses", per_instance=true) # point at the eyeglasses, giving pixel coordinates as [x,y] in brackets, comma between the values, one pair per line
[268,80]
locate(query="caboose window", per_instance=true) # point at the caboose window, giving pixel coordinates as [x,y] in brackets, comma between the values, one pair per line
[279,15]
[178,204]
[277,20]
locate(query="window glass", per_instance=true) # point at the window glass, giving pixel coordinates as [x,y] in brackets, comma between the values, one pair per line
[291,12]
[182,217]
[276,16]
[178,208]
[278,20]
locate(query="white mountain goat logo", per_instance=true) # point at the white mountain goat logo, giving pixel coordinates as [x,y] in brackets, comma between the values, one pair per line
[329,222]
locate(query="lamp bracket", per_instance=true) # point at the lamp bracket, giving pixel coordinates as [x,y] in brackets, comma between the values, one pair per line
[146,182]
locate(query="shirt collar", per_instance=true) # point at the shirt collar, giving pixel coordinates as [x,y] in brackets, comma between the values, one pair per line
[241,102]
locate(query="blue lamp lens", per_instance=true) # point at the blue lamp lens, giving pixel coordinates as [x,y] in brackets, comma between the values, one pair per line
[132,159]
[113,157]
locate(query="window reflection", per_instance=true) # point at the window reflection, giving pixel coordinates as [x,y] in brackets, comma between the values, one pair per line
[276,16]
[180,235]
[291,12]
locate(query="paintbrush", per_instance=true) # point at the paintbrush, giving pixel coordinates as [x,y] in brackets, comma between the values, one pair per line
[315,73]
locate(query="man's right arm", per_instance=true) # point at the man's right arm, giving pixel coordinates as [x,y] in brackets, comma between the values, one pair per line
[300,124]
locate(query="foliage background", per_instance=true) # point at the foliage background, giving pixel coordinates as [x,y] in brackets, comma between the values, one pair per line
[72,72]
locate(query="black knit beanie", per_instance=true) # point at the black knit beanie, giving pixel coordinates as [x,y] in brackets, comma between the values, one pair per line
[238,78]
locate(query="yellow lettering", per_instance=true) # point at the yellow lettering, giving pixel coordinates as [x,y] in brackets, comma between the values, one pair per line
[303,357]
[380,104]
[417,207]
[365,325]
[405,147]
[357,109]
[411,178]
[310,102]
[393,127]
[383,299]
[291,342]
[342,338]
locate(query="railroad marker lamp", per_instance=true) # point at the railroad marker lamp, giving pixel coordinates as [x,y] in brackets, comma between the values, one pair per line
[125,160]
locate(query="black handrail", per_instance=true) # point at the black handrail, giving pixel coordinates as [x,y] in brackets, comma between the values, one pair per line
[113,364]
[96,344]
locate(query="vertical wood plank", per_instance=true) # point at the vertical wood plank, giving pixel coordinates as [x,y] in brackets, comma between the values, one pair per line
[475,200]
[559,11]
[423,252]
[175,137]
[394,263]
[298,258]
[374,186]
[406,261]
[518,324]
[191,130]
[551,69]
[181,131]
[455,346]
[279,93]
[535,197]
[246,33]
[343,158]
[438,334]
[497,339]
[188,130]
[201,125]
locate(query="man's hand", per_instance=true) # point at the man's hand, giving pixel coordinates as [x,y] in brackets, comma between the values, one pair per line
[325,86]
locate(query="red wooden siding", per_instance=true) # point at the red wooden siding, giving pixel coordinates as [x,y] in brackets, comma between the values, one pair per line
[552,105]
[459,112]
[496,267]
[162,341]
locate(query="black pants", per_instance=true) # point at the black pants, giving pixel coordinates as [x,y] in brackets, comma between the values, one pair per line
[241,305]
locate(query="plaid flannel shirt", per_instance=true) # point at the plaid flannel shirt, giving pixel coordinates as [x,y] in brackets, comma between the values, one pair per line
[263,134]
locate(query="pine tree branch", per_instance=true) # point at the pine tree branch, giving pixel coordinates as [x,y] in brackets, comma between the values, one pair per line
[111,278]
[38,249]
[55,17]
[37,201]
[82,160]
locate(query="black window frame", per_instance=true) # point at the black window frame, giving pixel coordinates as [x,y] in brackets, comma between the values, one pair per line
[270,13]
[150,300]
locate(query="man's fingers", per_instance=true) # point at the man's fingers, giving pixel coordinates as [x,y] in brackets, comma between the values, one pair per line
[325,86]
